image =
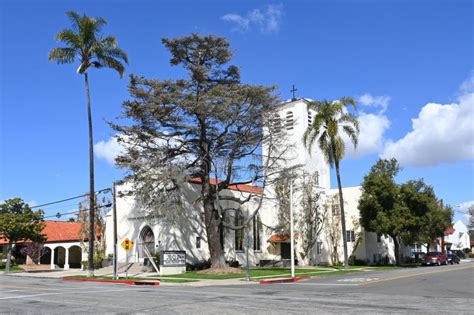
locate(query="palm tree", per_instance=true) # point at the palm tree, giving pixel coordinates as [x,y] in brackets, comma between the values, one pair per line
[85,43]
[330,118]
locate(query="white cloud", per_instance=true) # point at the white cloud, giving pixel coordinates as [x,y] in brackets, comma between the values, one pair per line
[442,133]
[267,20]
[108,150]
[464,210]
[374,101]
[372,129]
[372,126]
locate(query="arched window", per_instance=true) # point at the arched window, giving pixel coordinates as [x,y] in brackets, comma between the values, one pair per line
[289,122]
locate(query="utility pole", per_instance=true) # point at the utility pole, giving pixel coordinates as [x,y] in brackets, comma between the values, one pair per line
[292,240]
[114,192]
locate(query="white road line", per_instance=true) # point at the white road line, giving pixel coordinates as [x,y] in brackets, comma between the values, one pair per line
[60,293]
[325,284]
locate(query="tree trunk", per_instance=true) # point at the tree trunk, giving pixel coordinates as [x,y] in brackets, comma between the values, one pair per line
[213,226]
[9,256]
[90,256]
[343,216]
[396,242]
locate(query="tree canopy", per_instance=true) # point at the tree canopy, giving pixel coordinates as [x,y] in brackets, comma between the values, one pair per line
[409,212]
[19,223]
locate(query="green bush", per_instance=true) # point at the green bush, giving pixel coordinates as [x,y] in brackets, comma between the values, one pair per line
[471,255]
[98,258]
[3,265]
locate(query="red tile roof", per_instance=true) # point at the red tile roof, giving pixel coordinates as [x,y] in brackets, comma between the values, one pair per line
[449,230]
[279,238]
[58,231]
[238,187]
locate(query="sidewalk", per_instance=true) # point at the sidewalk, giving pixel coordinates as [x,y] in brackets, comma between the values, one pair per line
[59,274]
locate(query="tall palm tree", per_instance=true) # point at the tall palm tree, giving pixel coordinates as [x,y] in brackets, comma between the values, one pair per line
[85,43]
[331,118]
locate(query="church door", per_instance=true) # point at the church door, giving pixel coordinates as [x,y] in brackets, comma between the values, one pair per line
[285,251]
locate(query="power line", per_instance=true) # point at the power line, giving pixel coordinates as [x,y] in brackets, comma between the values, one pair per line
[58,215]
[67,199]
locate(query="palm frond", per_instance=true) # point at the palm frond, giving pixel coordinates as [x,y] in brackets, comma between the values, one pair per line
[352,134]
[69,37]
[62,55]
[112,63]
[75,19]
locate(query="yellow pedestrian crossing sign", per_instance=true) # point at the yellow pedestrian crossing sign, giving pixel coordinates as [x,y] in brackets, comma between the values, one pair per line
[127,244]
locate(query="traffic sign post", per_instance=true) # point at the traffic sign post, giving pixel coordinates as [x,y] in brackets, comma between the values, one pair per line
[127,245]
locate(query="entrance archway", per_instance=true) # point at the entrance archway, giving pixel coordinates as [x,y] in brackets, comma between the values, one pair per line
[46,257]
[75,256]
[146,240]
[60,256]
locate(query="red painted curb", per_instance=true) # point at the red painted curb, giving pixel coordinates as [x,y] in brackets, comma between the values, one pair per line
[129,282]
[283,280]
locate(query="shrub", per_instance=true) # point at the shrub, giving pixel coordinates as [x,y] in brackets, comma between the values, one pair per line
[201,265]
[3,265]
[234,263]
[98,258]
[471,255]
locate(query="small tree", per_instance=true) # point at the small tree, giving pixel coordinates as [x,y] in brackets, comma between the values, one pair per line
[19,223]
[312,217]
[333,224]
[34,250]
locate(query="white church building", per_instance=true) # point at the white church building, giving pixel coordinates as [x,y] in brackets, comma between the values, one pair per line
[265,246]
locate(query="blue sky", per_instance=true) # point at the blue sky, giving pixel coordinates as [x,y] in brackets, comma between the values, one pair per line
[409,63]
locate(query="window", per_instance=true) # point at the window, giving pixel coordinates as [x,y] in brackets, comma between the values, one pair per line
[256,233]
[198,242]
[335,209]
[319,247]
[415,248]
[379,238]
[238,234]
[350,236]
[289,121]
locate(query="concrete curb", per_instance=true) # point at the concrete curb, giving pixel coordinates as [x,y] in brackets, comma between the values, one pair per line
[283,280]
[129,282]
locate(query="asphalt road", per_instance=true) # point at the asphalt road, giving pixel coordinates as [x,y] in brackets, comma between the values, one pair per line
[428,290]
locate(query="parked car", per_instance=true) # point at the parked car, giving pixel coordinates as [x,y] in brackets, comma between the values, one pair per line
[435,258]
[453,259]
[458,253]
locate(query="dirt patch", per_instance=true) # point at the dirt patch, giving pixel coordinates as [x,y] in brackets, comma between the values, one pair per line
[221,271]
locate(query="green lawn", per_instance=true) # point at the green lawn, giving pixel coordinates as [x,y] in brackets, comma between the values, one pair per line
[13,268]
[256,273]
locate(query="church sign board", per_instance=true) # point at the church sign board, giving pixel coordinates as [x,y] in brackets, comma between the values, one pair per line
[173,258]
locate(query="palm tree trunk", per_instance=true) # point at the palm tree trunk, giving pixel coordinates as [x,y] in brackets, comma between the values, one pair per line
[343,216]
[90,256]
